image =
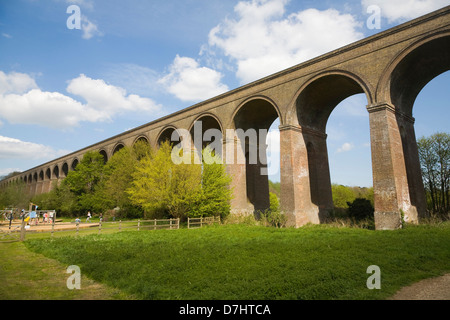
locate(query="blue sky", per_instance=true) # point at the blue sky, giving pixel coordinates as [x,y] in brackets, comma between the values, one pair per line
[134,61]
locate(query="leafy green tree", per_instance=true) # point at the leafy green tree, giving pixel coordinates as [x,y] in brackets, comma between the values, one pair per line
[342,195]
[163,188]
[15,196]
[60,198]
[434,155]
[84,180]
[118,178]
[215,194]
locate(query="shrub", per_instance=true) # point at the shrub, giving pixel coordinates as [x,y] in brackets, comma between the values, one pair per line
[360,209]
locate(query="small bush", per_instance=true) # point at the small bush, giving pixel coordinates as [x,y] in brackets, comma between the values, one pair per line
[360,209]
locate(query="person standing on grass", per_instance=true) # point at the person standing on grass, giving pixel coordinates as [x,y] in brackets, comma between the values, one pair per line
[88,216]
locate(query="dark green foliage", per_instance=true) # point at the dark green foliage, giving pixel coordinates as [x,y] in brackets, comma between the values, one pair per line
[360,209]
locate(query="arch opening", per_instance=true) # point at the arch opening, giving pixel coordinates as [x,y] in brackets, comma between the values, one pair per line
[417,69]
[117,148]
[252,122]
[74,164]
[65,169]
[207,131]
[409,82]
[105,155]
[166,135]
[56,172]
[322,127]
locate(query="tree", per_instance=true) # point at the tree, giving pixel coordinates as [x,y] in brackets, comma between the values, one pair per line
[84,180]
[118,178]
[14,195]
[342,195]
[434,155]
[360,209]
[163,188]
[215,194]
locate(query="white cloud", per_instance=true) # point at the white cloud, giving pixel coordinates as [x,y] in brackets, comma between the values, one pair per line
[262,40]
[56,110]
[400,10]
[5,171]
[83,3]
[188,81]
[11,148]
[89,28]
[6,35]
[345,147]
[16,82]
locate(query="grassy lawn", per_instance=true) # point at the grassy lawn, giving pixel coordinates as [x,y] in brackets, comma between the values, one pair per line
[243,262]
[25,275]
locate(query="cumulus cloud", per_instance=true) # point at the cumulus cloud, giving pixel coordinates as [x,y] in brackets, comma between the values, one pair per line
[188,81]
[89,28]
[263,40]
[11,148]
[345,147]
[23,102]
[401,10]
[16,82]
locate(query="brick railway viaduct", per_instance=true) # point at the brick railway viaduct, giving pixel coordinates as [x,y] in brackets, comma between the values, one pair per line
[390,68]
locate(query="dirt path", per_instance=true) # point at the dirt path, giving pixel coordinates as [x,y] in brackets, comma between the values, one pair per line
[428,289]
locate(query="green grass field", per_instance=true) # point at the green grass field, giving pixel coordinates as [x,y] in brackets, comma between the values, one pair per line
[228,262]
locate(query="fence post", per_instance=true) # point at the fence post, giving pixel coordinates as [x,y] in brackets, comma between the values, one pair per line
[189,220]
[154,225]
[178,223]
[120,225]
[139,223]
[201,222]
[22,230]
[53,223]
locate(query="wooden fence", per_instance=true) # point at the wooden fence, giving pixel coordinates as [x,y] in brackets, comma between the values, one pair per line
[194,223]
[19,230]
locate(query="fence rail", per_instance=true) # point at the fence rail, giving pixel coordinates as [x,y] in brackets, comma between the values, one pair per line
[194,223]
[18,231]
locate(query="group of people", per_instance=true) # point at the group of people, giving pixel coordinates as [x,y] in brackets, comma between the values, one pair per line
[47,217]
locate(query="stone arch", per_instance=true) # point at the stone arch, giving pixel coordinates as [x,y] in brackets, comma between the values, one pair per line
[403,79]
[252,118]
[200,126]
[318,97]
[104,154]
[142,138]
[48,174]
[65,169]
[41,175]
[305,175]
[166,135]
[74,164]
[117,147]
[56,172]
[412,69]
